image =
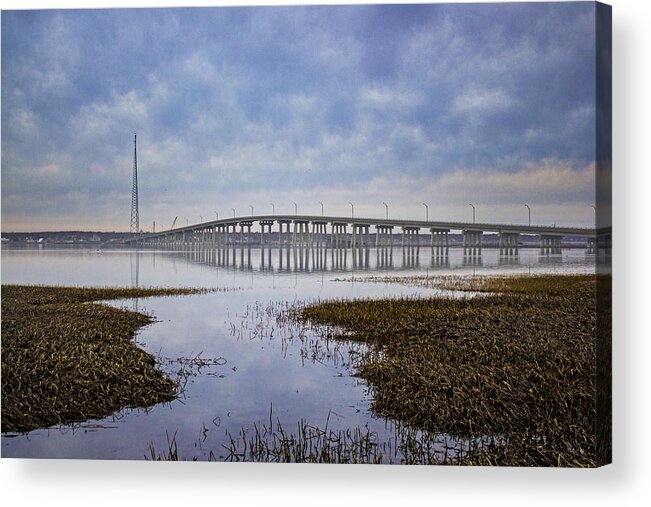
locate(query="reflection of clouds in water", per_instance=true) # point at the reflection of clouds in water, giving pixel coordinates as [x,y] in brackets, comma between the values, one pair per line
[269,370]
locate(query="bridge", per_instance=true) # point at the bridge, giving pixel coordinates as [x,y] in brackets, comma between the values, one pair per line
[333,231]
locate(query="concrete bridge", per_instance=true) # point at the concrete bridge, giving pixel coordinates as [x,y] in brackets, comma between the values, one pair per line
[343,232]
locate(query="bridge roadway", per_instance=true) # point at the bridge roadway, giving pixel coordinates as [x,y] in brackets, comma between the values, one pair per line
[224,232]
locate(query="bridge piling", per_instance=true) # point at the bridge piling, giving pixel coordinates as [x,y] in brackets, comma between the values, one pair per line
[219,232]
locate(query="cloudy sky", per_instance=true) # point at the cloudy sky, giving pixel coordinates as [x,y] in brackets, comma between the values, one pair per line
[490,104]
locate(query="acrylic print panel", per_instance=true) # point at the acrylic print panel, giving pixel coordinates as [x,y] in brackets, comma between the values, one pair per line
[342,234]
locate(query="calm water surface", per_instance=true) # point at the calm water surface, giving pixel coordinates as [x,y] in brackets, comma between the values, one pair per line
[257,366]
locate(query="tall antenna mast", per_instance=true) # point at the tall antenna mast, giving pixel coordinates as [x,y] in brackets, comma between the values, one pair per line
[135,220]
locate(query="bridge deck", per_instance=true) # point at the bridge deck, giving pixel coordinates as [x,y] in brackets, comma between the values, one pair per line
[545,230]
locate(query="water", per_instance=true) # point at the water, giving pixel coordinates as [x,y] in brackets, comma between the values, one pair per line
[260,367]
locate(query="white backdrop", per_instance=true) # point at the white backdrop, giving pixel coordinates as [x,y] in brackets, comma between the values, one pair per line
[69,482]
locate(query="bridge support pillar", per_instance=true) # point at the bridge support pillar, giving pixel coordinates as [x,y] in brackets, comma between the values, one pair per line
[301,234]
[319,233]
[361,237]
[266,224]
[283,235]
[439,237]
[472,238]
[410,236]
[245,225]
[550,244]
[590,244]
[508,243]
[472,242]
[338,238]
[383,235]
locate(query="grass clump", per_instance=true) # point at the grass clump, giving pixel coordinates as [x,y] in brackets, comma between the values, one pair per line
[66,360]
[516,366]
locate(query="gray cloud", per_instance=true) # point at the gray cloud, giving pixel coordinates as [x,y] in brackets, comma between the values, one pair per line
[240,106]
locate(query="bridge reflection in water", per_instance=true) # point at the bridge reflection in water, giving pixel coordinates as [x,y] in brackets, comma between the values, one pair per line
[313,258]
[303,243]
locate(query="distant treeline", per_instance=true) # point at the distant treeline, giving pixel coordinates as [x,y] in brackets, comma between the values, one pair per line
[64,236]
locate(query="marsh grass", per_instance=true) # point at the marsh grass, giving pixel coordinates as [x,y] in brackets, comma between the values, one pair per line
[278,321]
[515,368]
[270,442]
[307,443]
[66,359]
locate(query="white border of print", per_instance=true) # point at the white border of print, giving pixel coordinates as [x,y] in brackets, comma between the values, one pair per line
[78,482]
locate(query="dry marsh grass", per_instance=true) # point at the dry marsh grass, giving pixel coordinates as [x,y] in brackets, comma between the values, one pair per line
[66,359]
[517,366]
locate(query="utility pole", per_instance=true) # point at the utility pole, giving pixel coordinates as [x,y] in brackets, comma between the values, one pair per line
[135,220]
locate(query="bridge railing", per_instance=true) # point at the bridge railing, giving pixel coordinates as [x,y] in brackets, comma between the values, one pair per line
[375,222]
